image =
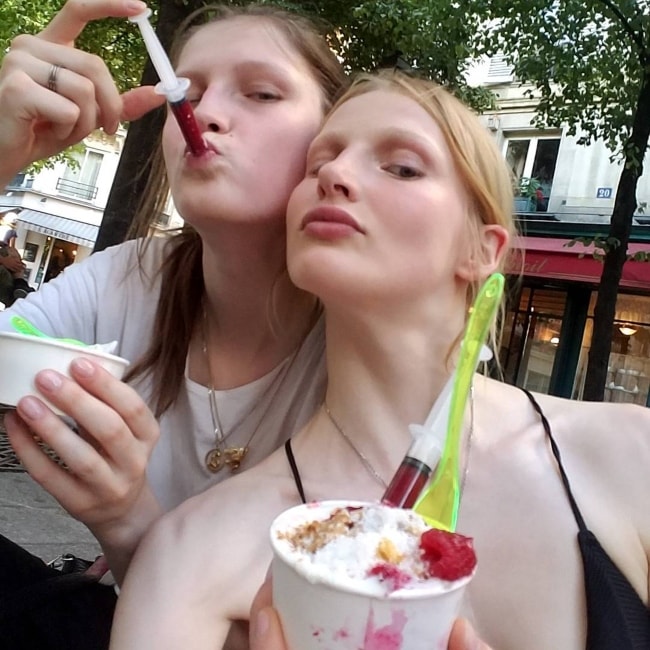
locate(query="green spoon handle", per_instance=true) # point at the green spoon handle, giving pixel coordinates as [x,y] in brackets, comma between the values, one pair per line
[439,502]
[23,326]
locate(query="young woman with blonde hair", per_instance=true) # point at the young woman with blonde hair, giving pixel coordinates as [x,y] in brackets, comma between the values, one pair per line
[405,208]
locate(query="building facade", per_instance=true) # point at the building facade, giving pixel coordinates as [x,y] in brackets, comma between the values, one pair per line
[553,279]
[59,210]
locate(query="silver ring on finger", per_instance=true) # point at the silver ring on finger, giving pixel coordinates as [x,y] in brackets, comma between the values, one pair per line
[51,80]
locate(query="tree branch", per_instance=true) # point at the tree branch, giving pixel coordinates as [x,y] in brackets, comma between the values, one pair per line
[635,36]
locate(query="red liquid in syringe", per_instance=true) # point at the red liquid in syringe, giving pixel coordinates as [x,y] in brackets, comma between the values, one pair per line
[189,128]
[407,484]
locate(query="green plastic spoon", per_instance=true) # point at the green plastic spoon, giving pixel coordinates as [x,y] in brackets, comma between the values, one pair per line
[23,326]
[439,502]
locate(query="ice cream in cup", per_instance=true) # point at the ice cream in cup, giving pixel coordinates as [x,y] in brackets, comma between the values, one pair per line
[349,575]
[23,356]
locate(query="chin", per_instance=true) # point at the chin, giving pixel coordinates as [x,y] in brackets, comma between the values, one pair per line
[320,278]
[309,272]
[299,273]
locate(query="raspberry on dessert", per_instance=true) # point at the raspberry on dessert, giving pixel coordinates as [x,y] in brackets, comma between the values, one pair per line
[449,556]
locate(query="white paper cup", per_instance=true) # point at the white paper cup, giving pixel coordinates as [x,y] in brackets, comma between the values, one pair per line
[319,614]
[23,356]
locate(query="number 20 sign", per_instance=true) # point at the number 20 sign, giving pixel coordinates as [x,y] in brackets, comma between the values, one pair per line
[604,193]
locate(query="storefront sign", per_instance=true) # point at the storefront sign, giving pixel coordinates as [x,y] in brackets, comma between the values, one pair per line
[550,258]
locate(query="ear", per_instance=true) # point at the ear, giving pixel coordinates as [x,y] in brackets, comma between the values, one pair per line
[492,244]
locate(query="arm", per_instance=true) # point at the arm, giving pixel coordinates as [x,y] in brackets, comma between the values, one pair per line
[67,306]
[199,567]
[87,301]
[36,122]
[94,301]
[105,486]
[175,594]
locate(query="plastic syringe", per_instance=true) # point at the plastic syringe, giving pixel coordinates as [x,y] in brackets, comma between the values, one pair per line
[425,452]
[172,87]
[423,455]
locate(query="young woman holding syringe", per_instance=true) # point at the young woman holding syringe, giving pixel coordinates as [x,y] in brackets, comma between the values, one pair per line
[232,351]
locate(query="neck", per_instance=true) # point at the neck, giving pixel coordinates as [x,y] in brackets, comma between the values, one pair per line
[256,317]
[383,375]
[398,366]
[241,266]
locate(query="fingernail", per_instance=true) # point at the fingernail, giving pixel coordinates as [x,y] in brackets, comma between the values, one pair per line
[261,626]
[31,408]
[136,5]
[49,380]
[83,367]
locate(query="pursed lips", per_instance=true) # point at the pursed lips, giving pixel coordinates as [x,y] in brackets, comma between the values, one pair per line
[330,214]
[210,146]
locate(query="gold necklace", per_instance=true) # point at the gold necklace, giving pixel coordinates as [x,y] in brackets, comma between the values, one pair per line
[373,472]
[364,460]
[220,455]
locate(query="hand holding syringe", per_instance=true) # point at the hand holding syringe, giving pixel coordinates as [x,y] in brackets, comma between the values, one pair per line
[172,87]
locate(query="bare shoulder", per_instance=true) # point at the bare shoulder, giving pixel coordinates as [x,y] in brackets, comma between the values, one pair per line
[605,443]
[234,510]
[599,424]
[220,538]
[604,448]
[592,424]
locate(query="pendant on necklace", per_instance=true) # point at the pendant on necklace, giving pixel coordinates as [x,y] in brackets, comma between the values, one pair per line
[235,457]
[213,460]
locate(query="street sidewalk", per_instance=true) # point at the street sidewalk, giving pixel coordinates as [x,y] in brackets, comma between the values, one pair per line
[30,517]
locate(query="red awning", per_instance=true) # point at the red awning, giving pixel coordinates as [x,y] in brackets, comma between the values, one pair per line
[550,257]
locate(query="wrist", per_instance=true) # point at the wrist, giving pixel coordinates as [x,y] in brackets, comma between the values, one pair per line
[130,526]
[120,538]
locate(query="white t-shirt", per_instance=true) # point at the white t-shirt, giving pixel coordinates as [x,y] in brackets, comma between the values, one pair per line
[108,298]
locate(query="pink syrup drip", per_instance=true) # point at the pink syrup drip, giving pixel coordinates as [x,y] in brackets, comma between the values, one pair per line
[389,574]
[341,635]
[388,637]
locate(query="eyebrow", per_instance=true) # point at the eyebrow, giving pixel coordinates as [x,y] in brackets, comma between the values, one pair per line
[425,147]
[278,73]
[262,66]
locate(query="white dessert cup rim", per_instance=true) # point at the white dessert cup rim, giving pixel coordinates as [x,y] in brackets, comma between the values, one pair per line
[57,343]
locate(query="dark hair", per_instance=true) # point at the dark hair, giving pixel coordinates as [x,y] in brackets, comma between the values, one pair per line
[182,283]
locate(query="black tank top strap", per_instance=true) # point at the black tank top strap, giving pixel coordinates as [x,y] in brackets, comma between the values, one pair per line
[617,618]
[294,470]
[556,453]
